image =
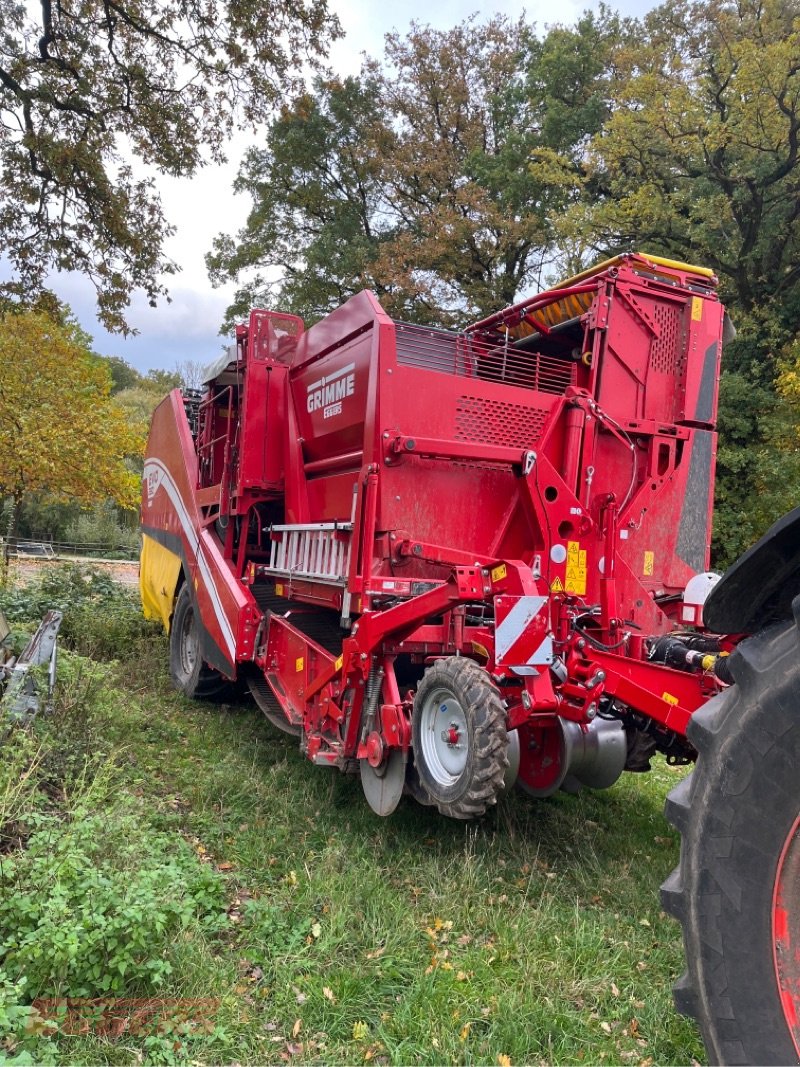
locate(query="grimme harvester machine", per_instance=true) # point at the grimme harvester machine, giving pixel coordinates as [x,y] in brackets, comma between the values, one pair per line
[452,561]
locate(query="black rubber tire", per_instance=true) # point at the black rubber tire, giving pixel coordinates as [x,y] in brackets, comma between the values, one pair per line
[483,778]
[735,812]
[189,674]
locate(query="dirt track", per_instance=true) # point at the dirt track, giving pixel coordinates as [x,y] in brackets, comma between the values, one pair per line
[127,573]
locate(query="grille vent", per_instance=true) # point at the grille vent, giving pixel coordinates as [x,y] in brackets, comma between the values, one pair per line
[497,423]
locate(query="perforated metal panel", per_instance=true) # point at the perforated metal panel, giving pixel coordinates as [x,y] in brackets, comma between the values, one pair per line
[667,350]
[498,423]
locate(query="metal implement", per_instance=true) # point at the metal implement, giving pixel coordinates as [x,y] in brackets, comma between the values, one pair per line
[27,687]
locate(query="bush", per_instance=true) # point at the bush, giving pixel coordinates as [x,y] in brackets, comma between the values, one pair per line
[102,525]
[102,618]
[91,907]
[97,900]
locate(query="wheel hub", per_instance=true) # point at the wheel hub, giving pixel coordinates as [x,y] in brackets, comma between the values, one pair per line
[444,736]
[188,648]
[451,736]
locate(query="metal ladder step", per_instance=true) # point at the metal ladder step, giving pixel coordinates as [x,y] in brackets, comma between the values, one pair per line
[315,551]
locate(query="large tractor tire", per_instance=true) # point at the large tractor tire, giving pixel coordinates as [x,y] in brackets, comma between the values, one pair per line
[190,675]
[459,738]
[736,890]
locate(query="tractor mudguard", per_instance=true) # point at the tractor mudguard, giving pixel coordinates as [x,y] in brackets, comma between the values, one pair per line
[759,587]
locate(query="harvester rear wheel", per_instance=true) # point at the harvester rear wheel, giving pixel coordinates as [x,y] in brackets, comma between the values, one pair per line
[459,738]
[188,672]
[736,890]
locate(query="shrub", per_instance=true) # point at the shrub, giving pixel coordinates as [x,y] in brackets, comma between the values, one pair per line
[91,906]
[102,618]
[103,524]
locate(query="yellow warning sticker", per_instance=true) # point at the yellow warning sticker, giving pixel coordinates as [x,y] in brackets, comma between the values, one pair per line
[557,586]
[338,663]
[575,578]
[298,663]
[649,560]
[697,308]
[670,699]
[499,572]
[279,589]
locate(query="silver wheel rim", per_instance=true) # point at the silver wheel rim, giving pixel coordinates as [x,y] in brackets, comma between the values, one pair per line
[188,643]
[444,736]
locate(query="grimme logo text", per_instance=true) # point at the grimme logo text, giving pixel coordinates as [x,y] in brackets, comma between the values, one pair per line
[329,392]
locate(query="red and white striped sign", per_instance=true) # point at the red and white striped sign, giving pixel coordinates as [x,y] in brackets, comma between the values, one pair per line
[521,638]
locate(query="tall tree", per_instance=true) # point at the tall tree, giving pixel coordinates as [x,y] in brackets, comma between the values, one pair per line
[700,159]
[702,151]
[415,178]
[95,95]
[314,230]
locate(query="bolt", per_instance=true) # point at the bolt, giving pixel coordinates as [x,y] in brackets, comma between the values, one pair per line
[591,712]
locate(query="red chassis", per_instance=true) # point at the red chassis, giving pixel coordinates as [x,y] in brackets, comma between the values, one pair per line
[351,505]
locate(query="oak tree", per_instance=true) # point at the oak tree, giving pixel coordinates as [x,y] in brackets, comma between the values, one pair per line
[433,177]
[98,96]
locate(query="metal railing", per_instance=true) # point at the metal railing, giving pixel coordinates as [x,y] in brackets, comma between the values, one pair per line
[28,548]
[464,355]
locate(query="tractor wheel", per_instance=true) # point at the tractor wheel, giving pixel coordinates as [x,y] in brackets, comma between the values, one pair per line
[459,737]
[736,890]
[188,672]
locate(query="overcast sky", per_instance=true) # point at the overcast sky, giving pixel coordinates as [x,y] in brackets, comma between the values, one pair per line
[201,207]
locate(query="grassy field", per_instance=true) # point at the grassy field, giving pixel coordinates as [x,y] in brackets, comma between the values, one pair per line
[156,847]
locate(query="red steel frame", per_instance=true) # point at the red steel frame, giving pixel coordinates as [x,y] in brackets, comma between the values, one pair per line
[474,483]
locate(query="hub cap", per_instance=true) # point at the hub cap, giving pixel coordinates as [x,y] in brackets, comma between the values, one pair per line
[444,736]
[189,643]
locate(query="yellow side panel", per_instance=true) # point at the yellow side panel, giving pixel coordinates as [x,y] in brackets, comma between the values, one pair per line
[159,570]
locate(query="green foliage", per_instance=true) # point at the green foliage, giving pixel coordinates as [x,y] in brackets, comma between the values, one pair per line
[102,525]
[699,157]
[123,375]
[90,906]
[415,179]
[94,898]
[21,1026]
[758,464]
[102,619]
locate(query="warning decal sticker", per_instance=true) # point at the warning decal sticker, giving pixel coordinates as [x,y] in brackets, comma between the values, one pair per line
[576,569]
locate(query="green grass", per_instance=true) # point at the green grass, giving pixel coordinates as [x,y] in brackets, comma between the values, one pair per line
[535,934]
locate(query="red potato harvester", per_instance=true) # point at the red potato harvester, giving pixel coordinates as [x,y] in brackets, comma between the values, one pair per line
[452,561]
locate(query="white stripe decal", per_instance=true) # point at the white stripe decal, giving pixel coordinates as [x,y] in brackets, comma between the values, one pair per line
[196,545]
[330,377]
[516,622]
